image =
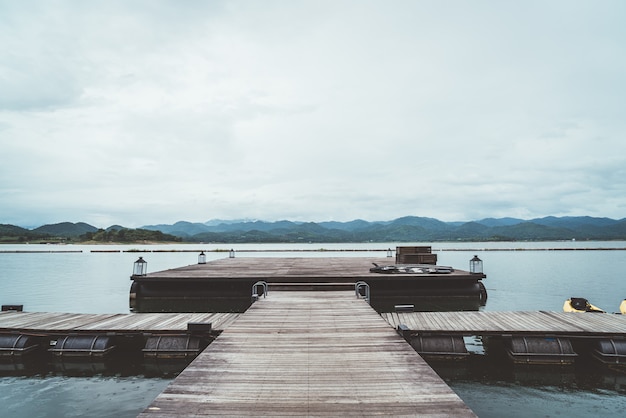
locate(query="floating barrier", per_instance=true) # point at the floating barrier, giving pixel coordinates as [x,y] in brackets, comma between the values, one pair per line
[172,347]
[443,347]
[541,350]
[610,351]
[82,346]
[15,345]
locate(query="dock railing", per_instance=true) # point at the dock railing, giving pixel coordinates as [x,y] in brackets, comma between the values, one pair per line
[362,285]
[255,289]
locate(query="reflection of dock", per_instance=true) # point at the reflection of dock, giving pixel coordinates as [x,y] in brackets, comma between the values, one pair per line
[308,354]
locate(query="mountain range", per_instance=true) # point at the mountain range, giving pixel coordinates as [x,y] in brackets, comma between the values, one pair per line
[405,229]
[409,228]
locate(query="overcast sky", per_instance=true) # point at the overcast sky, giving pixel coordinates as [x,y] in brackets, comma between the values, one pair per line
[142,112]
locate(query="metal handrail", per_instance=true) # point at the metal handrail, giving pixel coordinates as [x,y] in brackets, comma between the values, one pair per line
[259,283]
[357,286]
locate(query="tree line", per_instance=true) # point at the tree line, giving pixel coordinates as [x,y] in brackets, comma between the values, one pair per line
[10,234]
[128,235]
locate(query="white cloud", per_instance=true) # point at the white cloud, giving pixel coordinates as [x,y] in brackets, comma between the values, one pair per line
[140,112]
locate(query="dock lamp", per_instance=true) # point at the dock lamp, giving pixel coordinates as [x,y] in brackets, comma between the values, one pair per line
[389,253]
[231,254]
[140,268]
[476,265]
[202,258]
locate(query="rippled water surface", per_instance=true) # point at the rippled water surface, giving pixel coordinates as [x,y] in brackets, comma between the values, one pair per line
[520,276]
[61,396]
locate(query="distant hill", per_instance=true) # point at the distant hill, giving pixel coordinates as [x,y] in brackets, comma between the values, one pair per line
[128,235]
[77,232]
[66,229]
[500,221]
[347,226]
[12,233]
[12,230]
[404,229]
[180,229]
[115,227]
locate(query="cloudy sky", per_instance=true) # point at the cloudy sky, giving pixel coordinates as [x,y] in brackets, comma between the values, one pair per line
[140,112]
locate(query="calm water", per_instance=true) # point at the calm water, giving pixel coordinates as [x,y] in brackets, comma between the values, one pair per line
[522,278]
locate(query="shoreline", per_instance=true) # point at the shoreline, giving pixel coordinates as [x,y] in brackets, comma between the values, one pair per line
[276,250]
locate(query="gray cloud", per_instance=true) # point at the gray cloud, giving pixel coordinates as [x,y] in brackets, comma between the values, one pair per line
[141,112]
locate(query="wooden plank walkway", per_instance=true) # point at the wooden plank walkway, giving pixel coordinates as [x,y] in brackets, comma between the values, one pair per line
[308,354]
[146,323]
[465,323]
[517,322]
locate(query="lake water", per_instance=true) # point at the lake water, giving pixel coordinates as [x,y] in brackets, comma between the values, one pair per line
[520,276]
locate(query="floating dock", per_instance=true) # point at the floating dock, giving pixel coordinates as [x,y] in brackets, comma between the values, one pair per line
[56,323]
[308,354]
[157,335]
[324,353]
[528,337]
[562,324]
[227,284]
[537,337]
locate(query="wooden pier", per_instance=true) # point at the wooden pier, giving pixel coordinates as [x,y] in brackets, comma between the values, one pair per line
[449,323]
[320,353]
[308,354]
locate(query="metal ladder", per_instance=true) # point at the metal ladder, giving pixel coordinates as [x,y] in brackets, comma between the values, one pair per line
[357,289]
[255,290]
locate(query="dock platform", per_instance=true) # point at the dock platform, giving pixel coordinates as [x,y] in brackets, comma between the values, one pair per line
[308,354]
[544,323]
[226,284]
[56,323]
[449,323]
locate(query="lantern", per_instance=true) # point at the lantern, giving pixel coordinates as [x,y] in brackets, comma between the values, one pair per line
[140,267]
[476,265]
[202,258]
[389,253]
[231,254]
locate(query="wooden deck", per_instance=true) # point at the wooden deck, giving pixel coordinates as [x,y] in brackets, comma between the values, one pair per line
[308,354]
[226,284]
[519,323]
[112,324]
[288,269]
[461,323]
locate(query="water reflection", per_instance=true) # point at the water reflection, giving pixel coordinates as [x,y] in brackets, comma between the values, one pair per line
[584,375]
[90,367]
